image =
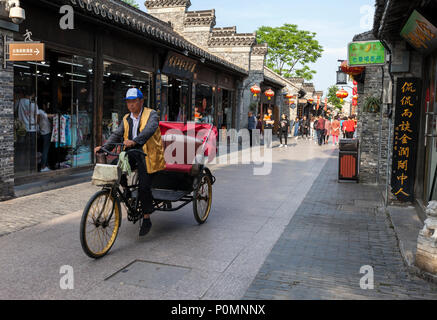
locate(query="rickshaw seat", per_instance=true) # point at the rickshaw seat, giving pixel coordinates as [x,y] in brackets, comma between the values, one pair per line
[174,134]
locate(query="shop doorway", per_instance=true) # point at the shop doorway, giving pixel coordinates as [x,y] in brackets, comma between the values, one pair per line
[225,109]
[178,97]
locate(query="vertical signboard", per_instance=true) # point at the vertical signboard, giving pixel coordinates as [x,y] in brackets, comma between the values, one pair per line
[405,138]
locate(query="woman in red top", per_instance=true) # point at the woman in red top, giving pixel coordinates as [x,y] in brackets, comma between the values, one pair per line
[349,128]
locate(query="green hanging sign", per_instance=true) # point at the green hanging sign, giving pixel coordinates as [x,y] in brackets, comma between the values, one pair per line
[366,53]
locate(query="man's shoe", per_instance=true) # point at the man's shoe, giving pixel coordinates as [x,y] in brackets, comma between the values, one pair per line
[146,225]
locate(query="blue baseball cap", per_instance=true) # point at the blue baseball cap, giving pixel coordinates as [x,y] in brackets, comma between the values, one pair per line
[134,93]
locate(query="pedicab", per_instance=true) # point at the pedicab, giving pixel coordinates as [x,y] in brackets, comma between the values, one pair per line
[186,179]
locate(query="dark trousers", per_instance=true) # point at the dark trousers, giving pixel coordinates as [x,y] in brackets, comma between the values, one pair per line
[321,136]
[283,134]
[45,149]
[349,135]
[138,162]
[251,136]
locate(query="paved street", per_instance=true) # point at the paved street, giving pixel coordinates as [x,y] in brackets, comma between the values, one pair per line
[294,234]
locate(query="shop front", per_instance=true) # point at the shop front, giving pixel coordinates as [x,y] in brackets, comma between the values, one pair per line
[189,91]
[72,101]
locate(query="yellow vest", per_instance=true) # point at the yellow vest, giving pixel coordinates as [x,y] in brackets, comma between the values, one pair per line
[153,148]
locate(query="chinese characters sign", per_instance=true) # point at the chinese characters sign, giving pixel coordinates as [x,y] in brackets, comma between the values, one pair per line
[180,66]
[365,53]
[405,138]
[26,51]
[420,33]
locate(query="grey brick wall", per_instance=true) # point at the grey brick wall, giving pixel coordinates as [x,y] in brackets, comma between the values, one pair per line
[6,126]
[373,129]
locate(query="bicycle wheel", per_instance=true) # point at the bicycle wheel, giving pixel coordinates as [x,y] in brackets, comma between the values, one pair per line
[202,199]
[97,230]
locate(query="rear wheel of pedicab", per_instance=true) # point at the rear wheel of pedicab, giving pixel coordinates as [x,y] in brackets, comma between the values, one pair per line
[202,199]
[98,229]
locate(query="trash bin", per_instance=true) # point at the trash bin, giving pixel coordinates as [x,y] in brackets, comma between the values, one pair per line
[348,162]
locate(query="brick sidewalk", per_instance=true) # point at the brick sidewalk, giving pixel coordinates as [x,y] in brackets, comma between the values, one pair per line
[337,229]
[28,211]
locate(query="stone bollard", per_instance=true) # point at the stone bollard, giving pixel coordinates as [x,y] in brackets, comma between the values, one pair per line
[426,255]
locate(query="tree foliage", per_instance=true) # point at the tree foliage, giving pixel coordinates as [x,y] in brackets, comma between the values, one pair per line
[290,50]
[133,3]
[333,99]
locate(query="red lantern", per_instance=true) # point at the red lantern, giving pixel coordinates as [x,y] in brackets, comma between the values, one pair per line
[269,94]
[289,96]
[255,90]
[342,94]
[352,71]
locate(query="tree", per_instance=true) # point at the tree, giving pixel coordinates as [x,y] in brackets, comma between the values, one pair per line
[333,99]
[133,3]
[290,50]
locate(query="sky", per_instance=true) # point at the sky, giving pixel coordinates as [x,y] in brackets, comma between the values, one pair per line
[334,21]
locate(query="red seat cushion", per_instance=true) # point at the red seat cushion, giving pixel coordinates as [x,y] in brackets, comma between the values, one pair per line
[184,168]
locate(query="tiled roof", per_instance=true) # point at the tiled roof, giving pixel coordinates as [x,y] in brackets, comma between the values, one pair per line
[132,19]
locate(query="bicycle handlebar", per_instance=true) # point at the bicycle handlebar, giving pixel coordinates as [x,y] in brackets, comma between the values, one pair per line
[107,152]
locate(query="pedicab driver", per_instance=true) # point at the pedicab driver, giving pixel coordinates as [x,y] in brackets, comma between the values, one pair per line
[140,130]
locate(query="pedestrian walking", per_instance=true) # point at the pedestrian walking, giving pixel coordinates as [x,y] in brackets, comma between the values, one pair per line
[343,120]
[349,128]
[45,130]
[305,127]
[284,128]
[296,128]
[320,130]
[327,130]
[251,125]
[269,123]
[335,131]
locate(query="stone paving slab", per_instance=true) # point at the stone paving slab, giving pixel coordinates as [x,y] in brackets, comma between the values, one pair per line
[328,240]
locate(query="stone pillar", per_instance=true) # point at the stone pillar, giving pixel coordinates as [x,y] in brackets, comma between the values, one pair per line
[6,123]
[245,97]
[426,254]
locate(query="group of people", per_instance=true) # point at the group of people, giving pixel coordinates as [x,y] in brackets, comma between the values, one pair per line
[317,128]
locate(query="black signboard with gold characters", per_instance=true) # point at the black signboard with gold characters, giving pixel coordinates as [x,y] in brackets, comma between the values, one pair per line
[180,66]
[405,138]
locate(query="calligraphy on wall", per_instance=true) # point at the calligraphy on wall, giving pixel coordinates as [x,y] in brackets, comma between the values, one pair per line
[405,139]
[180,66]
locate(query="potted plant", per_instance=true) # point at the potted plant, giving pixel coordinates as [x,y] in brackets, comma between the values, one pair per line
[372,105]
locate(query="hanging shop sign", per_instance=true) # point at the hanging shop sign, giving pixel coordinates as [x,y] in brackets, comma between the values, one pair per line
[26,51]
[179,66]
[405,138]
[366,53]
[420,33]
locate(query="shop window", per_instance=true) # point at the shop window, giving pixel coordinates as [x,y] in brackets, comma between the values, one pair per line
[117,79]
[204,106]
[53,113]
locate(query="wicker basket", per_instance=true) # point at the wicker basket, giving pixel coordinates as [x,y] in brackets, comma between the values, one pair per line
[105,174]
